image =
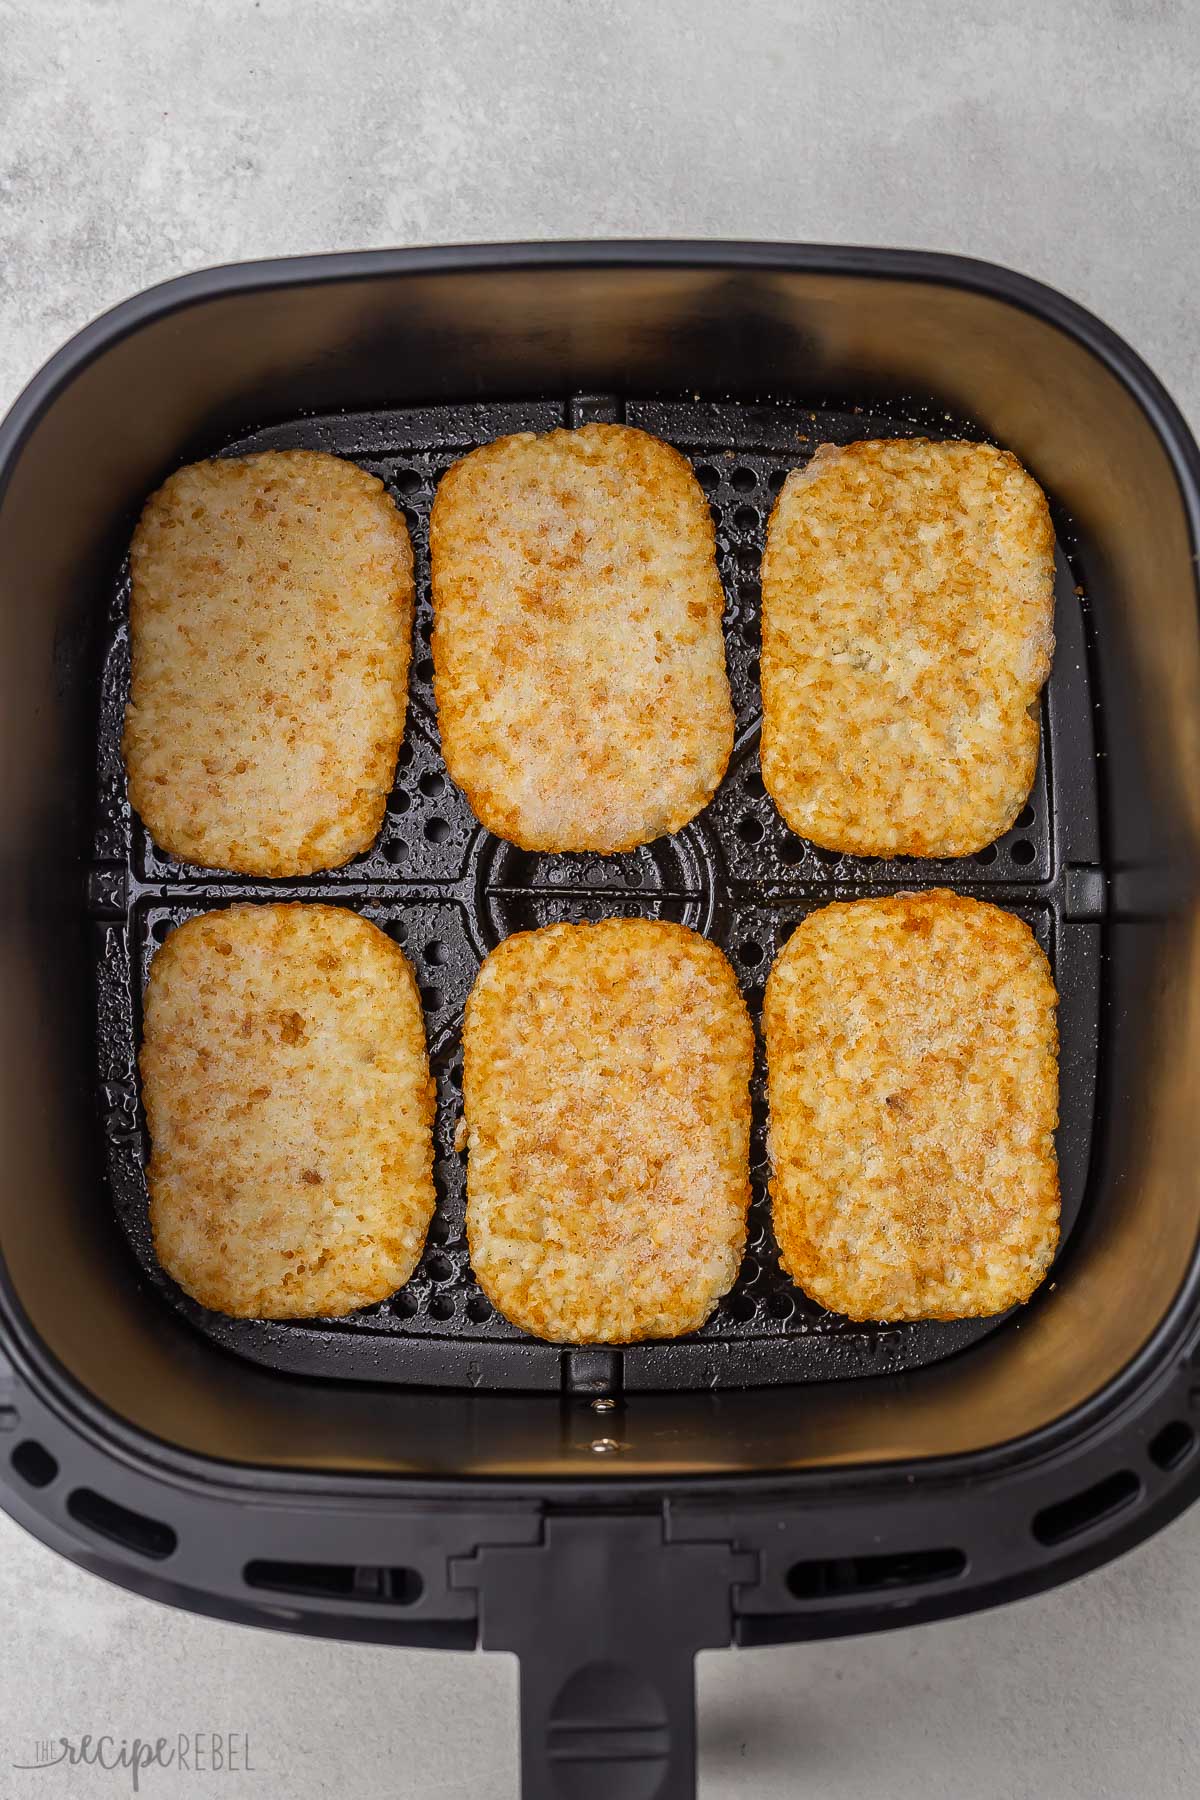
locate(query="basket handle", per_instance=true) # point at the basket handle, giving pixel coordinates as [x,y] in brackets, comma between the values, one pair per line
[606,1615]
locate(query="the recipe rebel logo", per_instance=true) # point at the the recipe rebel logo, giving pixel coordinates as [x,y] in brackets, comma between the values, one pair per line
[190,1752]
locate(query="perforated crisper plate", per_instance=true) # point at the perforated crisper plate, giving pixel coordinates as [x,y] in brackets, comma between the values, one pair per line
[448,891]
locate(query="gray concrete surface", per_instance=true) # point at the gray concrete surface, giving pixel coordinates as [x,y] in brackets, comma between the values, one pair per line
[139,139]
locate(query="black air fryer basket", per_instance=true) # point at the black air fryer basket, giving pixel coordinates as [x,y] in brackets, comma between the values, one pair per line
[422,1473]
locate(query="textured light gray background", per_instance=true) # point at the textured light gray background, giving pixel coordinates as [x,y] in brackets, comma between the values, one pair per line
[143,138]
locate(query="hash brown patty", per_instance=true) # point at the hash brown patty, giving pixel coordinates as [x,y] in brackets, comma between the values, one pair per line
[579,661]
[290,1109]
[606,1076]
[907,630]
[912,1072]
[271,622]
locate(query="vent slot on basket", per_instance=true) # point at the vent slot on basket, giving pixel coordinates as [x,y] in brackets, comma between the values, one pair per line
[336,1581]
[1067,1518]
[839,1575]
[34,1464]
[121,1525]
[1172,1445]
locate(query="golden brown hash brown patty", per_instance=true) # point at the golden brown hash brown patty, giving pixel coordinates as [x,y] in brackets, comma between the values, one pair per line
[907,629]
[606,1076]
[579,662]
[271,619]
[912,1067]
[290,1109]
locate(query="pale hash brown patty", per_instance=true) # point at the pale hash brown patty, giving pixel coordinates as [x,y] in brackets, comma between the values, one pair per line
[606,1078]
[907,631]
[579,660]
[271,623]
[912,1071]
[290,1109]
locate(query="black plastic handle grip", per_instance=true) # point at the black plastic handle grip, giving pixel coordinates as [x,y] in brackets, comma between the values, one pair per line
[606,1616]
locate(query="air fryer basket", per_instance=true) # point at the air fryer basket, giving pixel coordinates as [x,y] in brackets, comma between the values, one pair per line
[781,1473]
[449,891]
